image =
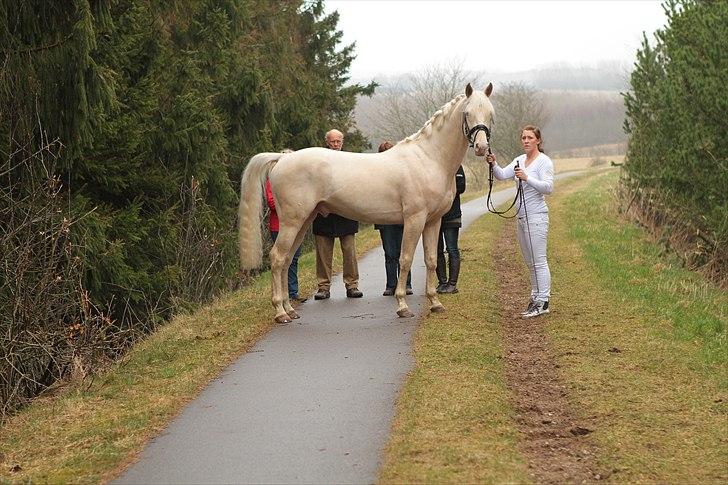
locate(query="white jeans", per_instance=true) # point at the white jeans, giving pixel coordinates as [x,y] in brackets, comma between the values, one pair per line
[532,239]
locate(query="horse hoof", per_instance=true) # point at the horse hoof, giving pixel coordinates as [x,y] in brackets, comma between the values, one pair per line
[293,314]
[283,319]
[437,309]
[405,313]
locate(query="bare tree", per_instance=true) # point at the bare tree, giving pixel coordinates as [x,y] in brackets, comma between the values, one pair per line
[400,110]
[516,105]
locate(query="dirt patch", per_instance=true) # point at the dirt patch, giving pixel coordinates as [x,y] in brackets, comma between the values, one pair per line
[553,440]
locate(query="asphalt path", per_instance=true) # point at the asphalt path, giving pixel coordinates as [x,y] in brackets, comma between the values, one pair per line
[311,402]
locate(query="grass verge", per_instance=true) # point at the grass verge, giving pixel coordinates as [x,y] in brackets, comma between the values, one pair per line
[454,422]
[88,432]
[637,270]
[641,343]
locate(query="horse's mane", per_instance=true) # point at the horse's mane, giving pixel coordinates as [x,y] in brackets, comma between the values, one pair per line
[439,114]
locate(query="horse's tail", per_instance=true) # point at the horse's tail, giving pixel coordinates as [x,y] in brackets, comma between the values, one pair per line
[250,210]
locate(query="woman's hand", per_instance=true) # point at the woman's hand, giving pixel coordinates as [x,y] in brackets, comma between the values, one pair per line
[490,158]
[521,174]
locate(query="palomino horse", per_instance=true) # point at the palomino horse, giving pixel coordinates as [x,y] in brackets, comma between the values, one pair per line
[413,184]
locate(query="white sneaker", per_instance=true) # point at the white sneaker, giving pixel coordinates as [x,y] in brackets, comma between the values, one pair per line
[528,307]
[538,308]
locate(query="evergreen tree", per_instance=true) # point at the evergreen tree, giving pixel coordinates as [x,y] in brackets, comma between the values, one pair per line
[158,106]
[675,110]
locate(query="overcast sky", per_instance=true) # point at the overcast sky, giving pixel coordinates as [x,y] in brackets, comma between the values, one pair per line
[394,37]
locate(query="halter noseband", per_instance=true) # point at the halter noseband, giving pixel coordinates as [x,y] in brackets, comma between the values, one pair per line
[471,133]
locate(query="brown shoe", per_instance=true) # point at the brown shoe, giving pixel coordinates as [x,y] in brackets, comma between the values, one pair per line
[388,292]
[353,293]
[322,294]
[409,291]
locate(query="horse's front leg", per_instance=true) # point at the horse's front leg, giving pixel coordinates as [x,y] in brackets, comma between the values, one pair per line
[429,243]
[412,230]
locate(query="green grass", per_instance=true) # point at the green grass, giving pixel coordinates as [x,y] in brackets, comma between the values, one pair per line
[635,270]
[648,380]
[84,434]
[641,345]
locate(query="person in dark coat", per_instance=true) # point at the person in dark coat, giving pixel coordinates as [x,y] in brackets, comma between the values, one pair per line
[391,235]
[326,230]
[449,233]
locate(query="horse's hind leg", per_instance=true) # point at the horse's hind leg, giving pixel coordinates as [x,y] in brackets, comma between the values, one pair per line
[300,235]
[429,243]
[412,230]
[299,240]
[281,256]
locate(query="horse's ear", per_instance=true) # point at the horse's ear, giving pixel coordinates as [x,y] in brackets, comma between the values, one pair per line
[489,89]
[468,90]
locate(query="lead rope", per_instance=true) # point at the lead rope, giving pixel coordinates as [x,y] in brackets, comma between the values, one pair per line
[489,203]
[521,198]
[530,241]
[470,134]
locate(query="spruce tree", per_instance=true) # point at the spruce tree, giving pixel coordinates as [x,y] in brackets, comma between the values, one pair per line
[157,105]
[675,109]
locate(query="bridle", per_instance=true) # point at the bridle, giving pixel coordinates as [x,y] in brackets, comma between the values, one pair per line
[471,133]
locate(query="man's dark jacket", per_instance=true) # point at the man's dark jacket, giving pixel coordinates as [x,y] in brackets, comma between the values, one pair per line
[334,225]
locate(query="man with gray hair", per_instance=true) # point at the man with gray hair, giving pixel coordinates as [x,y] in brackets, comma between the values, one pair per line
[326,230]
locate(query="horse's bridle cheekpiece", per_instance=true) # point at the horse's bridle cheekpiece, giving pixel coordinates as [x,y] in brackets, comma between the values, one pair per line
[471,133]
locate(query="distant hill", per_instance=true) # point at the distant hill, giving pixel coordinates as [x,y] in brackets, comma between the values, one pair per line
[584,104]
[608,76]
[604,76]
[578,119]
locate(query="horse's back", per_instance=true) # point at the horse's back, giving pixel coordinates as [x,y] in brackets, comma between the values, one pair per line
[369,187]
[325,171]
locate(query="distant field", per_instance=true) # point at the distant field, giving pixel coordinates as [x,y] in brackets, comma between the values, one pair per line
[605,150]
[568,164]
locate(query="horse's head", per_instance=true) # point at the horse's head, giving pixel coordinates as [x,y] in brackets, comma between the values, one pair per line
[478,118]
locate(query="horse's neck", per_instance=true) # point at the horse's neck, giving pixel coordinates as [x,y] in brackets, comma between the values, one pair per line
[445,143]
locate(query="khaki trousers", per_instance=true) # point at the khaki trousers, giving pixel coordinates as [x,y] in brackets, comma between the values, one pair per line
[325,258]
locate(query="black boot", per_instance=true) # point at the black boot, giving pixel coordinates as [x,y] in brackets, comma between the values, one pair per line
[440,270]
[454,274]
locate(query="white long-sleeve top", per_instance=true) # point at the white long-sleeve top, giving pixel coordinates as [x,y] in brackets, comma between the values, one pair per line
[540,182]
